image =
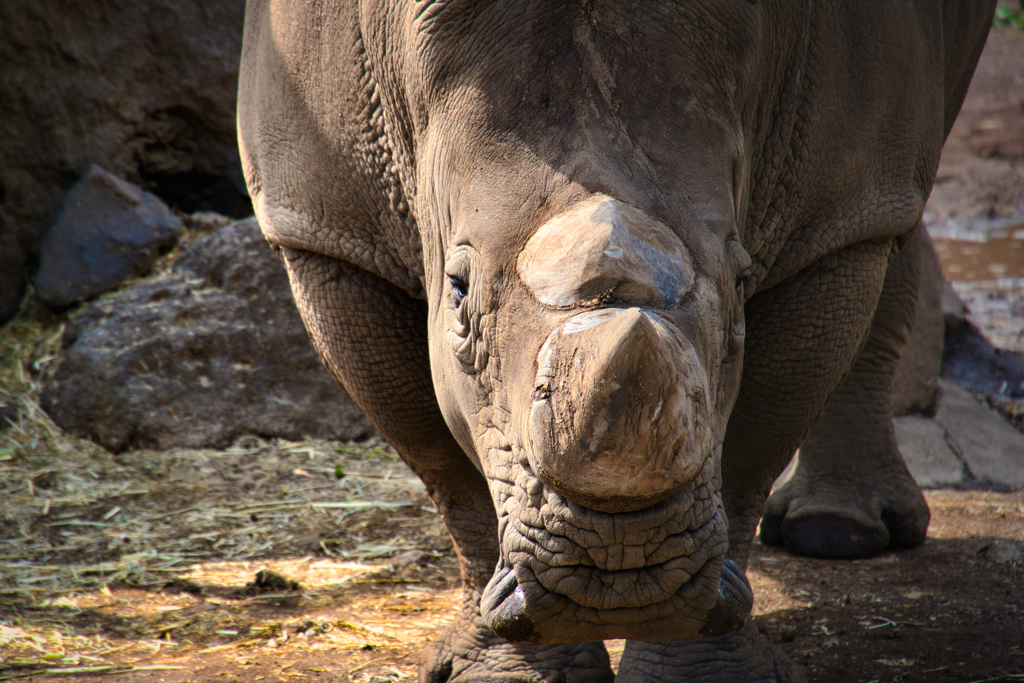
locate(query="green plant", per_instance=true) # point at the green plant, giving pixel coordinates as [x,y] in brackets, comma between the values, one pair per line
[1005,16]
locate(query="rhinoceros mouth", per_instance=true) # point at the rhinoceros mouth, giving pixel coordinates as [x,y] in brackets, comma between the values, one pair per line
[569,573]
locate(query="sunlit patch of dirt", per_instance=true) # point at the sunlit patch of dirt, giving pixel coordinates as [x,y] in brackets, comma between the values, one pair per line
[267,559]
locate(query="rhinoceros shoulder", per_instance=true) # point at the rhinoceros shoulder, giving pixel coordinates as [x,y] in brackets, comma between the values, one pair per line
[321,160]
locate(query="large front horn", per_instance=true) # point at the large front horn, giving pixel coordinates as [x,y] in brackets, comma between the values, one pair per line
[611,416]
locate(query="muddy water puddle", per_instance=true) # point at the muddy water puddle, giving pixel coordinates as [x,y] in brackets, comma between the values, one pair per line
[986,269]
[999,256]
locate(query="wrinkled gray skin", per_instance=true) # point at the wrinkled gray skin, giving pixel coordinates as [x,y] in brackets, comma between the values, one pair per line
[540,243]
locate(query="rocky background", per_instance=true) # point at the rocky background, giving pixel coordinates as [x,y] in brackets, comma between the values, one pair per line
[144,88]
[118,142]
[208,352]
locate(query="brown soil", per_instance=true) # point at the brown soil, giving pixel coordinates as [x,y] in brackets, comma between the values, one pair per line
[947,611]
[144,566]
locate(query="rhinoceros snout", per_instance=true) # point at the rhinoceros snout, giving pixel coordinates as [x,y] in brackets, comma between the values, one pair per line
[615,422]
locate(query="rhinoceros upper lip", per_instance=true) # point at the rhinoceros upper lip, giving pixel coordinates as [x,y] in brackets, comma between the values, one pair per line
[535,505]
[609,564]
[503,607]
[633,560]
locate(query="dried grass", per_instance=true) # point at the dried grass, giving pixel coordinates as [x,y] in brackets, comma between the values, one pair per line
[107,561]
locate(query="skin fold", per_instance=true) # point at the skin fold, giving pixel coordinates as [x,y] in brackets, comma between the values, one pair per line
[595,270]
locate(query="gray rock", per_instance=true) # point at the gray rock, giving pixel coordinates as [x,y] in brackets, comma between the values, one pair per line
[145,88]
[917,375]
[1003,552]
[971,362]
[990,447]
[929,458]
[199,357]
[109,231]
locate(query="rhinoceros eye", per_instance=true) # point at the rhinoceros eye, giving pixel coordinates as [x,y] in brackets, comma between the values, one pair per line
[741,280]
[468,310]
[459,289]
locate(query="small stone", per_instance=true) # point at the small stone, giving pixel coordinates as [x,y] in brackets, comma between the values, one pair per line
[268,581]
[109,231]
[407,558]
[207,221]
[1003,552]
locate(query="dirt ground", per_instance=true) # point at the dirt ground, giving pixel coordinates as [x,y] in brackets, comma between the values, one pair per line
[167,587]
[146,563]
[146,566]
[981,174]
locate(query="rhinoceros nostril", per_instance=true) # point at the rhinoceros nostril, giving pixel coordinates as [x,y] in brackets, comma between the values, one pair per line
[503,607]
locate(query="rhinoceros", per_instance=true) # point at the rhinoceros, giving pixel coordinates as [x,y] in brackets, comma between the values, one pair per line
[595,269]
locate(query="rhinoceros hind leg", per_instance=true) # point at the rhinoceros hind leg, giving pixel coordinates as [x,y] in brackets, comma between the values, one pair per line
[851,494]
[743,656]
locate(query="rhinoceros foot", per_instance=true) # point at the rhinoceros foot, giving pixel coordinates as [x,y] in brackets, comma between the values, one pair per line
[470,652]
[846,519]
[741,656]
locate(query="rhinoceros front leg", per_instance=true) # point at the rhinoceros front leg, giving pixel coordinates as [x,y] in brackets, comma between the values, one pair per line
[739,657]
[373,338]
[851,494]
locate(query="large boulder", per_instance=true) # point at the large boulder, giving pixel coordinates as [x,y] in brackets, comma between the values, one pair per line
[146,88]
[973,363]
[108,232]
[211,351]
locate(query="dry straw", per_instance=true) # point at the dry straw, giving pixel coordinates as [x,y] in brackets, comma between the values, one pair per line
[114,563]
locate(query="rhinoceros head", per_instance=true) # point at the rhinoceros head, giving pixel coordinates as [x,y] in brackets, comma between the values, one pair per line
[589,369]
[585,277]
